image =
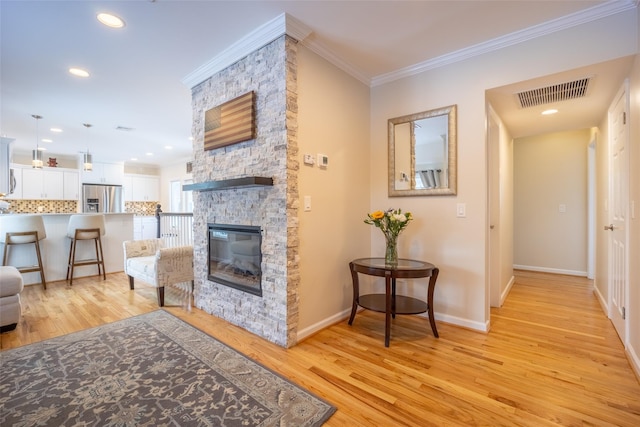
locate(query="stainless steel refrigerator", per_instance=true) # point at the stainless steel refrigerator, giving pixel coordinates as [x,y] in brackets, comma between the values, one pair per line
[102,198]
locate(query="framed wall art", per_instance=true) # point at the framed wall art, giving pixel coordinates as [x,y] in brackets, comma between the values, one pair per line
[230,123]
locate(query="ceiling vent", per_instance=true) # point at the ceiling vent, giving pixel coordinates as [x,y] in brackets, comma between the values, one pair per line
[124,128]
[554,93]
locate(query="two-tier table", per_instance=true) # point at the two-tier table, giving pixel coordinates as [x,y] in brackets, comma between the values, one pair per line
[390,303]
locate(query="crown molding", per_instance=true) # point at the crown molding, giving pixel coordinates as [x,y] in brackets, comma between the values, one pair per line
[287,24]
[588,15]
[325,53]
[261,36]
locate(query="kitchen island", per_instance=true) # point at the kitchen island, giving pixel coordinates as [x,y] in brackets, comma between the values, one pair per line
[55,248]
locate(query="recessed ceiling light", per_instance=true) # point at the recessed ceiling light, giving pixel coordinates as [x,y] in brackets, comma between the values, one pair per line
[134,159]
[548,112]
[55,130]
[149,154]
[47,140]
[168,147]
[110,20]
[78,72]
[42,149]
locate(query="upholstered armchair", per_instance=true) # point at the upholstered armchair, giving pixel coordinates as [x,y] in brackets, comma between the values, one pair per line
[151,262]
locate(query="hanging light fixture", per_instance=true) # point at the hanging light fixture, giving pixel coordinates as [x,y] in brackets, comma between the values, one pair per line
[88,159]
[36,158]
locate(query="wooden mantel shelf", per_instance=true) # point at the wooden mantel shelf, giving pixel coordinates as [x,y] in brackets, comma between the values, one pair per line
[229,184]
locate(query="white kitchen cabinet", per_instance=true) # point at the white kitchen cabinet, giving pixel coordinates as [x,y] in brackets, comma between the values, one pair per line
[104,173]
[142,188]
[42,184]
[145,227]
[71,185]
[127,185]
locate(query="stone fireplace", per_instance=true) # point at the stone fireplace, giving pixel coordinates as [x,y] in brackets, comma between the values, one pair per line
[267,204]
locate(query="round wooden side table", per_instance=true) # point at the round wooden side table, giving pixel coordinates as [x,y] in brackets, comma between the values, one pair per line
[390,303]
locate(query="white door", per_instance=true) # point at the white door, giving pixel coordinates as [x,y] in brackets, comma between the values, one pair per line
[618,211]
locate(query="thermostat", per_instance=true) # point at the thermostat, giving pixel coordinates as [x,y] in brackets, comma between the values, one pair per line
[323,160]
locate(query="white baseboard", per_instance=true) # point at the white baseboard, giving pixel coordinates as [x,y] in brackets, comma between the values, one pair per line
[550,270]
[634,359]
[602,301]
[325,323]
[506,291]
[343,315]
[459,321]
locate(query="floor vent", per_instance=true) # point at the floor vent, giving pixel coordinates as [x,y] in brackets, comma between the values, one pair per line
[554,93]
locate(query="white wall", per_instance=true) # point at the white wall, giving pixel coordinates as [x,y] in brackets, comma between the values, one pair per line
[602,216]
[333,119]
[500,210]
[174,172]
[633,346]
[457,245]
[550,173]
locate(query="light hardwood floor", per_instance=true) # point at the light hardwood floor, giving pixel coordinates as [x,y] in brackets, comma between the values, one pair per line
[551,359]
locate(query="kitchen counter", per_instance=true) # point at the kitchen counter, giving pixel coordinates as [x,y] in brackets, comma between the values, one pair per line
[55,248]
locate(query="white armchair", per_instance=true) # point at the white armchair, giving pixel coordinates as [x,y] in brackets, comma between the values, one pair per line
[149,261]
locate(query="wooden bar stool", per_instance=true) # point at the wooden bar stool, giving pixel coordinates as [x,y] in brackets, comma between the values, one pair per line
[23,230]
[85,227]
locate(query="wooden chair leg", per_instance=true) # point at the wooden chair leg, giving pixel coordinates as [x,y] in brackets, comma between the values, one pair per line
[131,282]
[72,263]
[101,258]
[69,260]
[161,296]
[44,282]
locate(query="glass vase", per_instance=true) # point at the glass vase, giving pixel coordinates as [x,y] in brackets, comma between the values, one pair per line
[391,251]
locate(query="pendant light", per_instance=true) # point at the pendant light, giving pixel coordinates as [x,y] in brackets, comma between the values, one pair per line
[36,158]
[87,158]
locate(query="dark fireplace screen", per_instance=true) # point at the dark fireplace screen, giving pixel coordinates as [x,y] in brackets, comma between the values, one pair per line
[235,257]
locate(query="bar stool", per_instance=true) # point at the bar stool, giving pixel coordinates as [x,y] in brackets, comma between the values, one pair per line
[23,230]
[85,227]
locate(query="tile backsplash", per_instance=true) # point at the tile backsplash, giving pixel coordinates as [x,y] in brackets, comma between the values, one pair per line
[43,206]
[71,206]
[140,208]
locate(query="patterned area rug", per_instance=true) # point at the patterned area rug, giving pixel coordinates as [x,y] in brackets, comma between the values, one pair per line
[149,370]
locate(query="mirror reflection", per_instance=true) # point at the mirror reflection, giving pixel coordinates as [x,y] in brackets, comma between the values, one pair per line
[422,153]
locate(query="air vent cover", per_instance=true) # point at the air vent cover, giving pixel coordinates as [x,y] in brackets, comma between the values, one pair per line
[554,93]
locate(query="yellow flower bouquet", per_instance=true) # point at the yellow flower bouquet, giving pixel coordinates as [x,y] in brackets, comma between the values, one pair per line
[391,223]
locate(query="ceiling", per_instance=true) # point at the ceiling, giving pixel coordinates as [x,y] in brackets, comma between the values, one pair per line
[137,72]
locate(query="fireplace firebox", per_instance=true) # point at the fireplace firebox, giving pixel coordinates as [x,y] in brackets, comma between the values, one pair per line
[235,257]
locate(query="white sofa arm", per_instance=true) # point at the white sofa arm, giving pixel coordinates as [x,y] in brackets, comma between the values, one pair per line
[174,265]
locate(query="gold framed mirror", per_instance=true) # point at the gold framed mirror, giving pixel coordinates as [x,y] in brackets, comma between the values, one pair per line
[423,153]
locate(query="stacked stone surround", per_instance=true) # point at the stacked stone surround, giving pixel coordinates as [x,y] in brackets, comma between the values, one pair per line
[271,73]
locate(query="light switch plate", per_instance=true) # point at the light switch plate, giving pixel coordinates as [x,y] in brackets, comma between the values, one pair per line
[308,159]
[307,203]
[461,210]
